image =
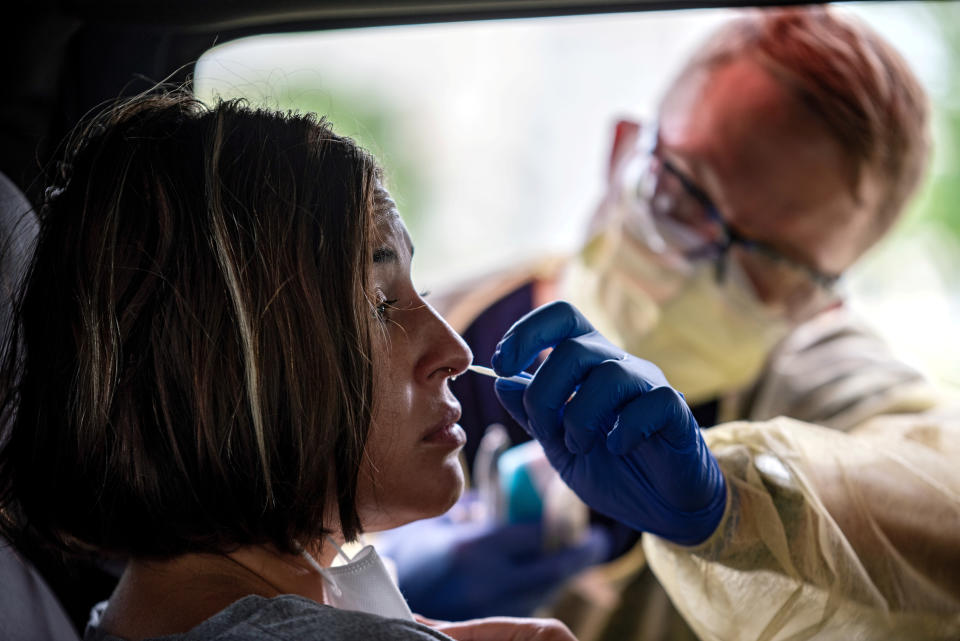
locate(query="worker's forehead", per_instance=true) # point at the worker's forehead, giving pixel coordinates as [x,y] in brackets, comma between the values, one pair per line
[731,95]
[771,166]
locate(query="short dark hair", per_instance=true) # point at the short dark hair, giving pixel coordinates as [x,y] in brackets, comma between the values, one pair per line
[190,364]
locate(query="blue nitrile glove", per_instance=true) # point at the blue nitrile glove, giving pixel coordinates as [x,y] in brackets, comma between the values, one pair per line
[626,443]
[456,571]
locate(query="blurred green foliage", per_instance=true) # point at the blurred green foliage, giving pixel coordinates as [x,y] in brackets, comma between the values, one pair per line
[939,201]
[365,118]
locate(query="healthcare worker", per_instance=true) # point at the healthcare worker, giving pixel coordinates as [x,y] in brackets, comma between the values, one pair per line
[785,149]
[780,529]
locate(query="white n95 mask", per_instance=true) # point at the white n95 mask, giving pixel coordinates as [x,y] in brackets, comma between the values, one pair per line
[707,337]
[362,584]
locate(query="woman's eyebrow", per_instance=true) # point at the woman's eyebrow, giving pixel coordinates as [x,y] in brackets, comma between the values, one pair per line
[388,255]
[385,255]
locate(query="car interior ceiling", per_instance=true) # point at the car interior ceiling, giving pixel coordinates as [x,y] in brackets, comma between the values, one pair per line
[62,59]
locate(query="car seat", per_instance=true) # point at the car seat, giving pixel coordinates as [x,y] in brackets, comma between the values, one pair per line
[29,611]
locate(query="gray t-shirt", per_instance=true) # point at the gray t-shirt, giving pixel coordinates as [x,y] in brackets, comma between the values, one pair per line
[291,617]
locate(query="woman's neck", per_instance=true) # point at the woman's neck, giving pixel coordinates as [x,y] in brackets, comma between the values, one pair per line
[154,598]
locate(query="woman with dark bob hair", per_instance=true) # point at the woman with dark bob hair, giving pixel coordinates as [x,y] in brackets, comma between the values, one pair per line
[219,369]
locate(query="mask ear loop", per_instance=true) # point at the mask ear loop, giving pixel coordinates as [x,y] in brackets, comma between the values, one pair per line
[339,549]
[322,571]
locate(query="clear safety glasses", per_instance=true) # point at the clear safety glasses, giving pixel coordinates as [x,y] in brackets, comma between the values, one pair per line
[689,223]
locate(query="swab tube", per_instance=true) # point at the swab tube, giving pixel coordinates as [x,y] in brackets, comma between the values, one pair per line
[486,371]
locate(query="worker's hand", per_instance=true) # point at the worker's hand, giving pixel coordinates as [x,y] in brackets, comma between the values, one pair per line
[612,426]
[455,571]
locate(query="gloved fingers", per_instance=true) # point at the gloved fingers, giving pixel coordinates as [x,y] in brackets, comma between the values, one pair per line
[510,395]
[522,543]
[597,545]
[660,411]
[542,328]
[516,541]
[558,378]
[555,382]
[593,410]
[552,568]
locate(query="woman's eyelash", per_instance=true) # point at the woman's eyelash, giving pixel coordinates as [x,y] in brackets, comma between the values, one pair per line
[384,306]
[383,309]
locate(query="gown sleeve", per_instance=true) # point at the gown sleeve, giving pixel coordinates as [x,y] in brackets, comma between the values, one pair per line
[827,534]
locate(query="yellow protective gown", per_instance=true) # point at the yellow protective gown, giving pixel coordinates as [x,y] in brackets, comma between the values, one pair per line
[851,532]
[827,535]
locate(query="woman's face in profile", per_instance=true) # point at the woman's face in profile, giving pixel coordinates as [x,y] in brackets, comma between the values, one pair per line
[411,468]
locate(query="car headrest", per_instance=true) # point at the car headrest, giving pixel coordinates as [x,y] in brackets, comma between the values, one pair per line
[18,235]
[29,611]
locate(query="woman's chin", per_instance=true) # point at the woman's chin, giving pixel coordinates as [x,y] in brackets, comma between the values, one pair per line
[441,496]
[425,501]
[457,484]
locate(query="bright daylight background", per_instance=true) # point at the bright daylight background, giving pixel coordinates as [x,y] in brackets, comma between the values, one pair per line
[495,135]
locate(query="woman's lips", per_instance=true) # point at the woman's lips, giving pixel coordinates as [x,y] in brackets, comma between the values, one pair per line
[446,431]
[452,435]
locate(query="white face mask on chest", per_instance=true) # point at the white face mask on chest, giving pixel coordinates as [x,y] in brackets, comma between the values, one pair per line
[362,584]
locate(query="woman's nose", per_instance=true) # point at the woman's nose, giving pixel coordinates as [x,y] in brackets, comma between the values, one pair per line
[445,353]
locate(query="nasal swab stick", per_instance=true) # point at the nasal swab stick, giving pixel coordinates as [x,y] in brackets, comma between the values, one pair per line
[486,371]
